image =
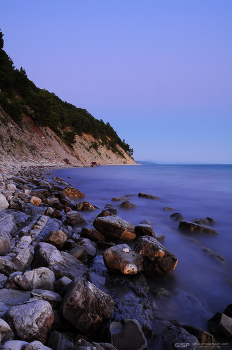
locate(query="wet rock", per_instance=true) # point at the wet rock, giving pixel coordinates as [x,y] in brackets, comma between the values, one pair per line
[41,278]
[220,324]
[3,202]
[228,310]
[23,258]
[176,217]
[85,306]
[83,344]
[146,195]
[15,345]
[7,267]
[74,218]
[58,239]
[61,263]
[11,187]
[84,206]
[105,213]
[127,205]
[60,341]
[49,211]
[53,298]
[51,200]
[114,227]
[56,214]
[203,337]
[36,345]
[25,197]
[161,292]
[32,320]
[36,201]
[5,332]
[40,193]
[169,335]
[91,234]
[16,204]
[80,253]
[7,228]
[144,230]
[105,245]
[204,221]
[58,206]
[90,247]
[192,227]
[21,282]
[128,336]
[111,209]
[157,259]
[136,283]
[121,258]
[61,285]
[214,255]
[119,199]
[3,280]
[72,192]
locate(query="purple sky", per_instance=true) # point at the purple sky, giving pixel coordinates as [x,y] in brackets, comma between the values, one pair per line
[159,71]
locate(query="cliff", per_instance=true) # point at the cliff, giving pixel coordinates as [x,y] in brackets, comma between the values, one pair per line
[30,144]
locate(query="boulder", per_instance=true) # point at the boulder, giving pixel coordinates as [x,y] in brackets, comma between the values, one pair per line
[220,324]
[5,332]
[85,206]
[36,345]
[204,221]
[61,263]
[61,285]
[85,306]
[176,216]
[53,298]
[80,253]
[90,247]
[83,344]
[56,214]
[118,199]
[204,338]
[21,282]
[3,202]
[74,218]
[7,228]
[115,227]
[121,258]
[41,278]
[15,345]
[157,259]
[146,195]
[192,228]
[36,201]
[72,192]
[91,234]
[40,193]
[111,209]
[3,280]
[127,336]
[58,239]
[11,187]
[60,341]
[144,230]
[127,205]
[32,320]
[23,258]
[7,267]
[107,212]
[16,204]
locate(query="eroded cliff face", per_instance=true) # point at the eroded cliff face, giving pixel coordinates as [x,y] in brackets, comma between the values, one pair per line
[33,145]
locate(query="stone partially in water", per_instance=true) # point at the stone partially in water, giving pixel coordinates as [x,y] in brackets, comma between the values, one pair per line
[72,192]
[115,227]
[176,216]
[157,259]
[220,324]
[146,195]
[188,226]
[121,258]
[144,230]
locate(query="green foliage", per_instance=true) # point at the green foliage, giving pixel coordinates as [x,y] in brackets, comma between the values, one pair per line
[20,95]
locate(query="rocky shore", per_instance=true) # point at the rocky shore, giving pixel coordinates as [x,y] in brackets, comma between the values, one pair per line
[55,291]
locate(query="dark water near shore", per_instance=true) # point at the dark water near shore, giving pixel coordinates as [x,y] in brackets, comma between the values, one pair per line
[192,190]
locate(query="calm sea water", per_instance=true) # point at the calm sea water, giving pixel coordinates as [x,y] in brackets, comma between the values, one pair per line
[201,283]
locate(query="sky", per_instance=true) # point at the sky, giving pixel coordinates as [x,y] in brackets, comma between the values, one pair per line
[160,72]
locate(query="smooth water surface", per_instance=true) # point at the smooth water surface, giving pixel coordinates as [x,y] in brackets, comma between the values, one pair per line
[201,282]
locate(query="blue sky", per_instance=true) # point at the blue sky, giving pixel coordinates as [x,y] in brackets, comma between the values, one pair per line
[159,71]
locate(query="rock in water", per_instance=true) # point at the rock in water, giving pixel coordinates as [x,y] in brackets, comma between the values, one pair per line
[121,258]
[157,259]
[192,227]
[146,195]
[85,306]
[115,227]
[72,192]
[220,324]
[31,321]
[144,230]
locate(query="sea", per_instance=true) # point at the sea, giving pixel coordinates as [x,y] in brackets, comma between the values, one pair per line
[201,284]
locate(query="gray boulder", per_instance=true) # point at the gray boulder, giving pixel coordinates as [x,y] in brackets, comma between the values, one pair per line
[121,258]
[115,227]
[5,332]
[157,259]
[31,321]
[3,202]
[53,298]
[41,278]
[85,306]
[220,324]
[195,228]
[74,218]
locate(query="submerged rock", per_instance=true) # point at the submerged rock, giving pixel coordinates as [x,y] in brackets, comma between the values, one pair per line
[121,258]
[127,205]
[146,195]
[176,216]
[115,227]
[144,230]
[157,259]
[204,221]
[192,227]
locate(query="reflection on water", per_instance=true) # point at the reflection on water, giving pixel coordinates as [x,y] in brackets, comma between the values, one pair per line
[201,284]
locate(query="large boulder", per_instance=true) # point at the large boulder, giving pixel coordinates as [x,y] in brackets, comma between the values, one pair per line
[58,239]
[85,206]
[157,259]
[121,258]
[3,202]
[72,192]
[220,324]
[31,321]
[192,228]
[61,263]
[41,278]
[128,336]
[115,227]
[59,341]
[85,306]
[144,230]
[74,218]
